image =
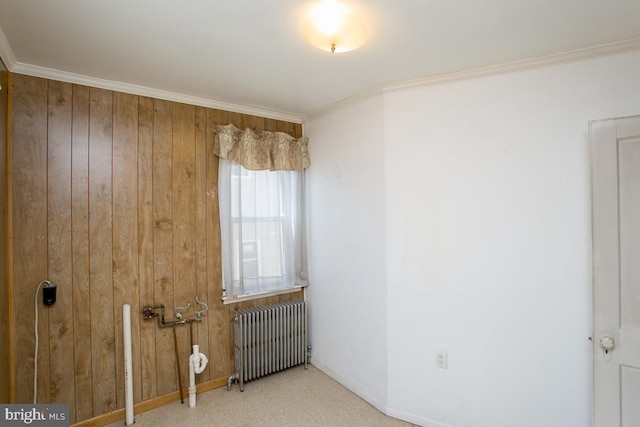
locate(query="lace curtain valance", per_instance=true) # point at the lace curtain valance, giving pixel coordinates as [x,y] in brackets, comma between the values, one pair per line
[261,150]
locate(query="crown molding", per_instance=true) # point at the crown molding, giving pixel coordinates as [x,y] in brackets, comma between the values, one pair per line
[544,61]
[49,73]
[354,99]
[7,56]
[527,64]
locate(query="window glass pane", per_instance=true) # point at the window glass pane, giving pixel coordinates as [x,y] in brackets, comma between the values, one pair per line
[262,229]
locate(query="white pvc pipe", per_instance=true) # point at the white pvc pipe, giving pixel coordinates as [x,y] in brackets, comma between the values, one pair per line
[197,362]
[128,378]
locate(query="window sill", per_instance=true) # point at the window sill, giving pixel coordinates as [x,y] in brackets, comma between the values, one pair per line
[248,297]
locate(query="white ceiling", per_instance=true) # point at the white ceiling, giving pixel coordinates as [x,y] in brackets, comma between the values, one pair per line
[250,53]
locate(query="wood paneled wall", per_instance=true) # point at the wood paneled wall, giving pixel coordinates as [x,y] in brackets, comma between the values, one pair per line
[4,284]
[114,200]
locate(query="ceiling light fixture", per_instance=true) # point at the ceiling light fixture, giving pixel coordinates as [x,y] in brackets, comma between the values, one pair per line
[331,26]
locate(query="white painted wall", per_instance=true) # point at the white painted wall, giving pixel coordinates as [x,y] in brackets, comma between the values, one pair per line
[347,250]
[483,189]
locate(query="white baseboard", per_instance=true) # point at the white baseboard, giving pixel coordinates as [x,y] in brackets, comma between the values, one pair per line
[352,386]
[413,419]
[380,405]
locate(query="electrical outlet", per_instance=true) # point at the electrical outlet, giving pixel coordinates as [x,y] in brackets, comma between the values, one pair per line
[441,359]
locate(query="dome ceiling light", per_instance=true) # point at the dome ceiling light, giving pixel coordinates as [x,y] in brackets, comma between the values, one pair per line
[331,26]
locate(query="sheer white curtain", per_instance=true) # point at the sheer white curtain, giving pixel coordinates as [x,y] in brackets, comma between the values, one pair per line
[262,222]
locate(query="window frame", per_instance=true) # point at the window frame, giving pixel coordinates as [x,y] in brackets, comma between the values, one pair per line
[252,291]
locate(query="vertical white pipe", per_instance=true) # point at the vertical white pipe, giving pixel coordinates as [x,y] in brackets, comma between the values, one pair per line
[197,362]
[193,359]
[128,379]
[192,384]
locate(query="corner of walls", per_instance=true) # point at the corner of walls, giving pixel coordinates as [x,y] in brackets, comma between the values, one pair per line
[5,335]
[346,205]
[414,419]
[362,390]
[485,215]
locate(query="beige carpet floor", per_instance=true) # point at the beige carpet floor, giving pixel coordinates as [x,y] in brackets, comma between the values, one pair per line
[294,397]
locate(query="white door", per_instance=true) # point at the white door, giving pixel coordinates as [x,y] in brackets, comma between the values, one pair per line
[615,149]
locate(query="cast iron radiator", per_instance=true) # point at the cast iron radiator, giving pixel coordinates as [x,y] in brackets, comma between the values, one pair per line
[268,339]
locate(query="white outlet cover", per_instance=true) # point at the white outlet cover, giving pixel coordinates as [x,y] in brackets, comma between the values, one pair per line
[441,359]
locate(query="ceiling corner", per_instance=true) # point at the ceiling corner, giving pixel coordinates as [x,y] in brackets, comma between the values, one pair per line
[6,54]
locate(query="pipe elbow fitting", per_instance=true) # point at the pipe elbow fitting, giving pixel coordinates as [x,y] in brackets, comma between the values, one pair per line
[199,362]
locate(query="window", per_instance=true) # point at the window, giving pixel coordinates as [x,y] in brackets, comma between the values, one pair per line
[263,230]
[261,198]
